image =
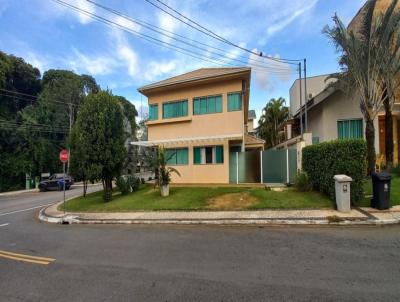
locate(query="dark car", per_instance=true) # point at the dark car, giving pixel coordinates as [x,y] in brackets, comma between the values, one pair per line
[55,182]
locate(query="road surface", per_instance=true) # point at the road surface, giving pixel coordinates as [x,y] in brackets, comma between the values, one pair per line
[190,263]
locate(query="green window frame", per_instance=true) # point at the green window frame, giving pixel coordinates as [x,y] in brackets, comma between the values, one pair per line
[234,101]
[350,129]
[175,109]
[206,155]
[153,112]
[177,156]
[207,104]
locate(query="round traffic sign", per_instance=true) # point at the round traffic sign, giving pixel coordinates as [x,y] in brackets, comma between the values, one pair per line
[64,155]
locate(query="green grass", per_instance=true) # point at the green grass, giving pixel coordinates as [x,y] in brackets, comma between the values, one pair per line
[394,192]
[194,198]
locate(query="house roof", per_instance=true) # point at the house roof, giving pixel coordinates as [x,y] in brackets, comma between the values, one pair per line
[252,140]
[195,75]
[251,115]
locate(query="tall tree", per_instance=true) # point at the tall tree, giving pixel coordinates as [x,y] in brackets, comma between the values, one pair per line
[363,57]
[274,114]
[98,134]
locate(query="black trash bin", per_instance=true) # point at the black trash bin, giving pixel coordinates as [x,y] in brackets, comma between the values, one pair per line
[381,190]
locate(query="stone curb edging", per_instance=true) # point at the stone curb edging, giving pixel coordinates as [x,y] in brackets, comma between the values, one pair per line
[75,219]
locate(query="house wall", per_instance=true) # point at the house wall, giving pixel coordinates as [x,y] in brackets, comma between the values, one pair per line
[322,119]
[197,125]
[224,123]
[205,173]
[315,85]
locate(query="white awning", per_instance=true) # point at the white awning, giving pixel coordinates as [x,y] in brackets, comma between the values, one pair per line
[185,140]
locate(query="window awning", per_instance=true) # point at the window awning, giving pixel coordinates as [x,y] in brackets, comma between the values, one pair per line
[183,140]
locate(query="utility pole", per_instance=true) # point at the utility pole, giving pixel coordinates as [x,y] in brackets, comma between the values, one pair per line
[71,117]
[301,102]
[305,94]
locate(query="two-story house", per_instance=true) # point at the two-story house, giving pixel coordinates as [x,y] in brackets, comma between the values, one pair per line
[199,118]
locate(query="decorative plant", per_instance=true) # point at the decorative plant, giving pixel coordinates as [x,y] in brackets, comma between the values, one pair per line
[164,172]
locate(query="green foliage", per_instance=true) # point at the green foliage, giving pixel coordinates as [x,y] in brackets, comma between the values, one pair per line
[98,134]
[303,182]
[128,184]
[164,172]
[275,113]
[322,161]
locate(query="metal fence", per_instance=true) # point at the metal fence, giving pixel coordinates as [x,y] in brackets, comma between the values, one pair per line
[271,166]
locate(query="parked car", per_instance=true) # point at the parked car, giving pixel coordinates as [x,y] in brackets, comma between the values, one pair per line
[55,182]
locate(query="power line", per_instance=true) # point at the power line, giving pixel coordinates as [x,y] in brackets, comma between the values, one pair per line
[173,35]
[212,34]
[155,40]
[9,93]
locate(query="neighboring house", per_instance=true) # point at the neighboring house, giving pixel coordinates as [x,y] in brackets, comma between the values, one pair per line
[250,122]
[331,114]
[200,117]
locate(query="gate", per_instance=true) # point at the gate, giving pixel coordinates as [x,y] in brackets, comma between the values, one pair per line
[271,166]
[279,166]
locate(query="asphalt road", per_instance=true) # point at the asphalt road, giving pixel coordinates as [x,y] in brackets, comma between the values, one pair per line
[192,263]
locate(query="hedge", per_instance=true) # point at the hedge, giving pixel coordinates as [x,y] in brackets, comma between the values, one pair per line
[322,161]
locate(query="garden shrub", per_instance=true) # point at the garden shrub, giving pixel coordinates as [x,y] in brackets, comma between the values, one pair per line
[322,161]
[303,183]
[127,184]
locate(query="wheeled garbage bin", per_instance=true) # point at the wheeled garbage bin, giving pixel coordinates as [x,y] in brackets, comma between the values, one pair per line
[381,190]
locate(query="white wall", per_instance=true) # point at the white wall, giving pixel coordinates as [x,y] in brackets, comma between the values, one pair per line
[322,119]
[315,85]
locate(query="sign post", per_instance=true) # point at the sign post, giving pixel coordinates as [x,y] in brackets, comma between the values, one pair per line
[64,157]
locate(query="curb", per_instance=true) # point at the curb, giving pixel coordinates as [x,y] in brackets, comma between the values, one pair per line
[75,219]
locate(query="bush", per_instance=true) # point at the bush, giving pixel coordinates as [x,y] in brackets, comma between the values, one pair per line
[303,183]
[127,184]
[143,181]
[322,161]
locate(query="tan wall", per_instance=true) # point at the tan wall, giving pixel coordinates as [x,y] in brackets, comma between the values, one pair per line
[225,123]
[197,125]
[208,173]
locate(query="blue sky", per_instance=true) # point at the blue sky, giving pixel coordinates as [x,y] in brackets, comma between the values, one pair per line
[48,35]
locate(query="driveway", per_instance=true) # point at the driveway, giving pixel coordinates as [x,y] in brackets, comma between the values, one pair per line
[191,263]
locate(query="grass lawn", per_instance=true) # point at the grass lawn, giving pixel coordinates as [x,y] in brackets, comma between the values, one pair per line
[394,192]
[200,198]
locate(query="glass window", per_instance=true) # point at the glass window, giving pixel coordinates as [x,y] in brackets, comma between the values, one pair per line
[206,105]
[177,156]
[175,109]
[234,101]
[348,129]
[153,112]
[208,155]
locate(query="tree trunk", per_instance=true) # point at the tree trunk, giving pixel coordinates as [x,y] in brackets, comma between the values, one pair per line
[108,189]
[370,137]
[388,134]
[85,182]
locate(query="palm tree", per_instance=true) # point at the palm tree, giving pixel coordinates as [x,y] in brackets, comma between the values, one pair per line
[273,116]
[364,57]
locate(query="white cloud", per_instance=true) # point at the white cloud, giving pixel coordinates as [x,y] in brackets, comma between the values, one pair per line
[40,62]
[156,69]
[168,23]
[91,64]
[265,79]
[84,5]
[287,19]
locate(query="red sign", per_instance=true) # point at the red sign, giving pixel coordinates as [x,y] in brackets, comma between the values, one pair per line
[64,155]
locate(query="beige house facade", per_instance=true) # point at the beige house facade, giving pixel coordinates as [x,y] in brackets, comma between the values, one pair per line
[199,118]
[332,114]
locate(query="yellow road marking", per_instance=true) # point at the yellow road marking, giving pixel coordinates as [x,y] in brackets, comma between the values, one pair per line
[26,258]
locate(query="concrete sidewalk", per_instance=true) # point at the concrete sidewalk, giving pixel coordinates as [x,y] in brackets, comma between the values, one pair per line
[357,216]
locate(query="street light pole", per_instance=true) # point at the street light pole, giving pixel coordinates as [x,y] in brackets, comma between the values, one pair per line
[305,94]
[301,102]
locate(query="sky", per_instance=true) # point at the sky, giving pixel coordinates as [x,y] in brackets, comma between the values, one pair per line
[49,35]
